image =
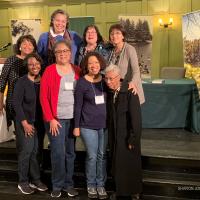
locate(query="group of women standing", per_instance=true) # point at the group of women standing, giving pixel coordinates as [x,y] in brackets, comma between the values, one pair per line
[73,101]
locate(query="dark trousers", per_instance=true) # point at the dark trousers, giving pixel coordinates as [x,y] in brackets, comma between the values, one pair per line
[62,155]
[27,147]
[39,125]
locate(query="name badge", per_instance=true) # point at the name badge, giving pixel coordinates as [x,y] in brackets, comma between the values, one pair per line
[69,85]
[99,99]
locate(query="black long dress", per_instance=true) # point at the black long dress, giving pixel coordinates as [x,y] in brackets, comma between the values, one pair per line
[124,127]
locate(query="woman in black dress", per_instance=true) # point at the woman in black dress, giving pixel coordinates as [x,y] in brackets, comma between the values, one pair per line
[124,130]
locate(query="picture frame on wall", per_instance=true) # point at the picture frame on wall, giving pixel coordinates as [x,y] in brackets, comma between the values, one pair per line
[21,27]
[191,43]
[139,31]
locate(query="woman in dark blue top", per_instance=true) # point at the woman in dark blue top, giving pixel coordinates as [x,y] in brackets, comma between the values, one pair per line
[28,117]
[90,121]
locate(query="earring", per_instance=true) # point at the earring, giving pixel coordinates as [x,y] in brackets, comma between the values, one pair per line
[20,48]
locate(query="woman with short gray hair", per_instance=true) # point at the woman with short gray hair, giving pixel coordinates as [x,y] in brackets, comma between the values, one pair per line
[124,130]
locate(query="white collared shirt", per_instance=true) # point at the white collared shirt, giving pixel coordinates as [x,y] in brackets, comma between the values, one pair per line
[54,34]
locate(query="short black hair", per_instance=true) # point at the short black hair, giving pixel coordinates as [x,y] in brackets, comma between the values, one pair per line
[84,62]
[65,42]
[22,38]
[118,27]
[32,55]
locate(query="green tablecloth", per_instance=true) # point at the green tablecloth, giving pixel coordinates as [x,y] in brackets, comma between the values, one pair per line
[172,104]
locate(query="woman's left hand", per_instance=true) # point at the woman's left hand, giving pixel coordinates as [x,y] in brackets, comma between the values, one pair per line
[76,132]
[132,86]
[131,147]
[29,129]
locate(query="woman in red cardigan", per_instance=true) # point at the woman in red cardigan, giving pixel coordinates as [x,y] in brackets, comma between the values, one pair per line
[57,100]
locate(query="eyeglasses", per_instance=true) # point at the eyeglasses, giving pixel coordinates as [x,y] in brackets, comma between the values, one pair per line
[116,33]
[61,21]
[110,78]
[62,51]
[91,32]
[34,64]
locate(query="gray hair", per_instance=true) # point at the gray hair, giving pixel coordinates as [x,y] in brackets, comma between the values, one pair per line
[113,68]
[67,43]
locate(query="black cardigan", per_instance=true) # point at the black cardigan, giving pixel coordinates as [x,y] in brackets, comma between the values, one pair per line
[25,97]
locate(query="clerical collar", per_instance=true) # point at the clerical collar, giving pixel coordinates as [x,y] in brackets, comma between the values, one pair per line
[116,92]
[54,34]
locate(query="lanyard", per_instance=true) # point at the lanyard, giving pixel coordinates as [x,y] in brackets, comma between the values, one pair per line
[94,88]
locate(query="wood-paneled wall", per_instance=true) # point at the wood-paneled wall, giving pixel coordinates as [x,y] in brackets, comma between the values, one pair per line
[167,43]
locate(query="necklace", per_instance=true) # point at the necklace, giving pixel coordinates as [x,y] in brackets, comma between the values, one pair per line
[115,56]
[91,47]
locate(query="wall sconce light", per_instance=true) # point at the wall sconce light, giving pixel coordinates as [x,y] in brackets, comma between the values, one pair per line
[165,25]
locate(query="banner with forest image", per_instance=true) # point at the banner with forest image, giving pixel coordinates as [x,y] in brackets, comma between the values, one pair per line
[139,34]
[191,45]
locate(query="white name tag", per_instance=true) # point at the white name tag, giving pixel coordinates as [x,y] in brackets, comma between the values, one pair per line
[99,99]
[69,85]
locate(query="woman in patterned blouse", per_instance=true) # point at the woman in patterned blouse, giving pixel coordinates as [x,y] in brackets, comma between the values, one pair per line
[92,41]
[12,70]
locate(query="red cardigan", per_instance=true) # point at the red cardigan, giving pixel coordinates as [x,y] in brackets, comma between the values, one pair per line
[49,89]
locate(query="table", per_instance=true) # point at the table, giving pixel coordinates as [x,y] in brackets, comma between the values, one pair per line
[172,104]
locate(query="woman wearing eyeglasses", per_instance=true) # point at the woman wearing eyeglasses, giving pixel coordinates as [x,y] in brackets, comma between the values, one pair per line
[92,41]
[27,122]
[58,31]
[124,55]
[57,100]
[124,125]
